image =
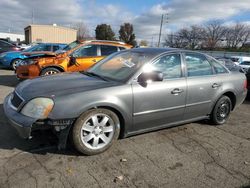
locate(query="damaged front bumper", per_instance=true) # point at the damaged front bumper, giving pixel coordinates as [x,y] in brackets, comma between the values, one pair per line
[20,122]
[25,125]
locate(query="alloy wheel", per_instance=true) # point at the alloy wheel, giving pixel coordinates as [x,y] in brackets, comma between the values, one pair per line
[50,72]
[97,131]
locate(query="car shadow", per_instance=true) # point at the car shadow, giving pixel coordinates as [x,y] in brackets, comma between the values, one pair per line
[9,80]
[43,142]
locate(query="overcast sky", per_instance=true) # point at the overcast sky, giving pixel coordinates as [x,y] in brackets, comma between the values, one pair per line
[145,15]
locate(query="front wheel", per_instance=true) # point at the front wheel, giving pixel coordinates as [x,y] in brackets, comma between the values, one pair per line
[95,131]
[49,71]
[15,63]
[221,110]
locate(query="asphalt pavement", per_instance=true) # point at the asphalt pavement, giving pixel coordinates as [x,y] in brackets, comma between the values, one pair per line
[191,155]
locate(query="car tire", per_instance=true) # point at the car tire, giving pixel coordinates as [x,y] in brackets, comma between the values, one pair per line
[14,63]
[49,71]
[221,110]
[95,131]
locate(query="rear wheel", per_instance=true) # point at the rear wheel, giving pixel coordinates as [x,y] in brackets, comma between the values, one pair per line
[49,71]
[95,131]
[221,110]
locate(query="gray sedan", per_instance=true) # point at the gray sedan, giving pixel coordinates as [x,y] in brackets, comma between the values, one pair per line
[127,93]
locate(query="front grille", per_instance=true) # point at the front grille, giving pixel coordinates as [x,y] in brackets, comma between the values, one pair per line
[16,101]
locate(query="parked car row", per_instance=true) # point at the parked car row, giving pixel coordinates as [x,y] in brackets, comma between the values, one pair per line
[129,92]
[13,58]
[77,56]
[243,62]
[240,66]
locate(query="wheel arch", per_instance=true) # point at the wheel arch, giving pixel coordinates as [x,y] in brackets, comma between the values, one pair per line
[53,66]
[14,59]
[232,97]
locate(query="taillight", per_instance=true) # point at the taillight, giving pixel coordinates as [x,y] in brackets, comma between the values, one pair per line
[245,84]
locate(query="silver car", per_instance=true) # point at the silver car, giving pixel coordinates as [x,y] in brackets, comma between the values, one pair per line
[127,93]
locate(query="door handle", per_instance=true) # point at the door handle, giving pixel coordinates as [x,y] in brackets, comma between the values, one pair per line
[94,60]
[176,91]
[215,85]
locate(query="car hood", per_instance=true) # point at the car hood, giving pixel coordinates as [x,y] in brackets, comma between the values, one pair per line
[60,84]
[40,54]
[12,53]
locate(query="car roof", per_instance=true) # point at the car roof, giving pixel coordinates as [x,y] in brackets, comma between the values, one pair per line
[107,42]
[153,52]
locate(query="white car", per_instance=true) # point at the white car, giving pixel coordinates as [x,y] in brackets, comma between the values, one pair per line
[244,62]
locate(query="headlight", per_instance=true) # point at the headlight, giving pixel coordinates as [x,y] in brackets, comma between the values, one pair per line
[38,108]
[26,62]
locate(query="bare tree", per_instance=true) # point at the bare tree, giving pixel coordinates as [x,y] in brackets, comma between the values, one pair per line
[82,30]
[174,40]
[192,36]
[214,32]
[237,35]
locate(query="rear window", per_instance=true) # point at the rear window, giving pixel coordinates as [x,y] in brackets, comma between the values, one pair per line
[5,44]
[235,59]
[245,63]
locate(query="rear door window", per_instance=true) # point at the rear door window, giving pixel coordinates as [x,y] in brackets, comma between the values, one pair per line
[219,69]
[107,50]
[197,65]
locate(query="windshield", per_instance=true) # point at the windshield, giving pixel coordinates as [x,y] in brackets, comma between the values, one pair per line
[30,49]
[119,66]
[71,45]
[39,48]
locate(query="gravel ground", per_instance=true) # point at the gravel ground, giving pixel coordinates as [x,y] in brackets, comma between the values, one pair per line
[192,155]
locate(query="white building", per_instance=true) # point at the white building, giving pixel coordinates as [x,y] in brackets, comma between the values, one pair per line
[12,36]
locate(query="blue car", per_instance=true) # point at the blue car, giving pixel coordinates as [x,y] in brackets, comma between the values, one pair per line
[11,59]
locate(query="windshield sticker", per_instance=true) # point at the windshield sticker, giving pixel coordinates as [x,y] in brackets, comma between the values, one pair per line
[128,64]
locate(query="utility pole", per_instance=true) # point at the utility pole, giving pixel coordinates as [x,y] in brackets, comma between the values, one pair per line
[160,30]
[162,18]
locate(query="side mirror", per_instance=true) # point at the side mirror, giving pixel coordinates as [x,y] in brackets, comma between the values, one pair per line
[154,76]
[72,60]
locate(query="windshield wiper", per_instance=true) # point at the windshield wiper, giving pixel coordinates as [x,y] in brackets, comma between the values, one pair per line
[94,74]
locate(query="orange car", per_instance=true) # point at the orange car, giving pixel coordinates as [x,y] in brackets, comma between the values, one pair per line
[77,56]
